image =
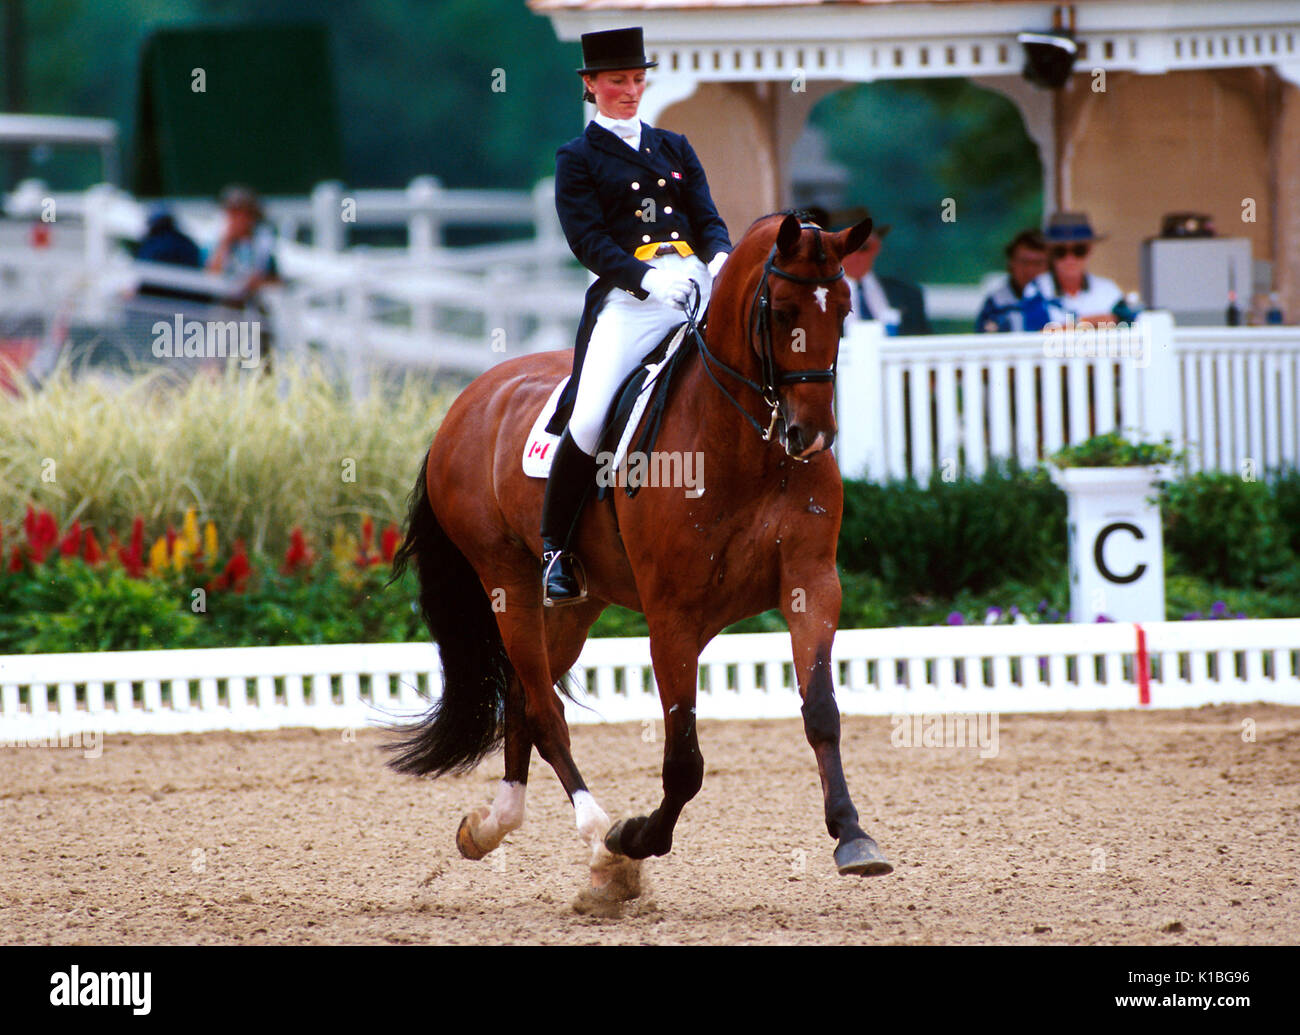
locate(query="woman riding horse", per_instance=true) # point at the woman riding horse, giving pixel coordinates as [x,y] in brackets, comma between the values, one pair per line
[635,207]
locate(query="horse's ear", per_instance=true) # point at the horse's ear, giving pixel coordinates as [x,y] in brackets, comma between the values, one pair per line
[788,235]
[857,236]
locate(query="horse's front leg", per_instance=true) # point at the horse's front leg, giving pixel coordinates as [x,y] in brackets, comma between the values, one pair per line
[675,654]
[812,609]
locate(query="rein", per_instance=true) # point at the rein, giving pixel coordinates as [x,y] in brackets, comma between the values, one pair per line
[760,322]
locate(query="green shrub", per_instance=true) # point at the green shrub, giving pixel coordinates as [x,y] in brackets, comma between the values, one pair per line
[968,534]
[1286,492]
[67,605]
[1225,529]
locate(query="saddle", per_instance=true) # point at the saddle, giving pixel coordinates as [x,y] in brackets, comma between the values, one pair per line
[643,393]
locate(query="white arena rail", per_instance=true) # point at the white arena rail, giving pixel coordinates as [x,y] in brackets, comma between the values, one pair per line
[1017,668]
[908,406]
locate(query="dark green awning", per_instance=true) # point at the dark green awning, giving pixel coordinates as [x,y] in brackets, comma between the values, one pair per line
[268,116]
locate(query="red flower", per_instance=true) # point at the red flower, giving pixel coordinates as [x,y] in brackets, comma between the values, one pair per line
[16,560]
[237,571]
[71,540]
[42,533]
[133,559]
[93,554]
[392,538]
[364,557]
[297,557]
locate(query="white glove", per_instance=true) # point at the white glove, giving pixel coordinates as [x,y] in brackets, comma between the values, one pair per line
[716,262]
[667,288]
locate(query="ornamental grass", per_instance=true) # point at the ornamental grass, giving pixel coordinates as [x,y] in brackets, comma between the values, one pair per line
[256,453]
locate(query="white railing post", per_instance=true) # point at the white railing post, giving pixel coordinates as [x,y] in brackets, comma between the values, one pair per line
[424,225]
[327,216]
[859,402]
[423,239]
[1161,387]
[546,221]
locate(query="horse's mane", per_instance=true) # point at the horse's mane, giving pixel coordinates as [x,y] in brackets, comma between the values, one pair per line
[804,217]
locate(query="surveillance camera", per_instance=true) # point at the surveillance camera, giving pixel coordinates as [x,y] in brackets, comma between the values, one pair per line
[1049,57]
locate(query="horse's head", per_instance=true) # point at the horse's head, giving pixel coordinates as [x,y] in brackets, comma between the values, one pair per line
[784,295]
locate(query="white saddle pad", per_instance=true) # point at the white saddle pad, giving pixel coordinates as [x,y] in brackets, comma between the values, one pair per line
[539,447]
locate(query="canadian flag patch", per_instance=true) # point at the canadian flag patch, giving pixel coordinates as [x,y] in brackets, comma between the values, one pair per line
[676,175]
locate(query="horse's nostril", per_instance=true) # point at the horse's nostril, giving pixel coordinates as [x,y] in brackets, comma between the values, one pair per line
[794,439]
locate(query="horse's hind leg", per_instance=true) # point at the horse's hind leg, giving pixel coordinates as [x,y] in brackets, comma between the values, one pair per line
[543,646]
[613,879]
[484,829]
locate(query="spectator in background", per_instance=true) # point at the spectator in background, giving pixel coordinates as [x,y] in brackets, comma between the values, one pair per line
[1068,284]
[166,244]
[873,295]
[247,246]
[1007,307]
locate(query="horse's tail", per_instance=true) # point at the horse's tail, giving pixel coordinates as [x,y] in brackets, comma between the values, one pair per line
[467,721]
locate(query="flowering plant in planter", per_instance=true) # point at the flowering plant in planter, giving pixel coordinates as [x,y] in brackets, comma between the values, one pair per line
[1114,450]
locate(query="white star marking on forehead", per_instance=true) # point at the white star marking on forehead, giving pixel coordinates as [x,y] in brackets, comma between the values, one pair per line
[820,295]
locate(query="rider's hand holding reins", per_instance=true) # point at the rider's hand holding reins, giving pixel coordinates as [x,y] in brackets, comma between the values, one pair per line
[667,288]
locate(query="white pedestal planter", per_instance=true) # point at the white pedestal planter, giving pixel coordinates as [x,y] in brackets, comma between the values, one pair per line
[1116,547]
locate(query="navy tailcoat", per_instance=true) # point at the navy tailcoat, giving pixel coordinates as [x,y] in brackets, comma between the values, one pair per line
[610,200]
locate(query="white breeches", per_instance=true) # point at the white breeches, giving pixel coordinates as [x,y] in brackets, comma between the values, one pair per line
[626,329]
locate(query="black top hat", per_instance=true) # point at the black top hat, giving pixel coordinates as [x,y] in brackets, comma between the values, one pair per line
[613,49]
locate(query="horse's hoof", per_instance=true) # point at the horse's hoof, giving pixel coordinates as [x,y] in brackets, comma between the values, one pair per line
[465,841]
[612,836]
[861,857]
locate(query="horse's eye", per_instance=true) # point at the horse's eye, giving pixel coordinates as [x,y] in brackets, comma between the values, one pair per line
[783,316]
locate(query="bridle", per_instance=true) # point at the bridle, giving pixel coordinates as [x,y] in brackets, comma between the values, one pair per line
[759,322]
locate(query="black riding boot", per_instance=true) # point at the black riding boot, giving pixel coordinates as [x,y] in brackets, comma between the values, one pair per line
[572,473]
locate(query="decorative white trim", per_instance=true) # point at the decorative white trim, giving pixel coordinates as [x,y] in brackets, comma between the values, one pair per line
[864,43]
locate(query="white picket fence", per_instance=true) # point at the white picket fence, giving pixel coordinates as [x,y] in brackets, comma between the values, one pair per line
[909,406]
[1016,668]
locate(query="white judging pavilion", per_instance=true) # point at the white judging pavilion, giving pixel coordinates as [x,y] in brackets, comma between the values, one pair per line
[1202,98]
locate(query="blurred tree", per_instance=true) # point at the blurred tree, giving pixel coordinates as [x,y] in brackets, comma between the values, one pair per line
[909,145]
[416,93]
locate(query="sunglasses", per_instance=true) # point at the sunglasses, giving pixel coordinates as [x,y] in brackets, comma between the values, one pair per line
[1060,251]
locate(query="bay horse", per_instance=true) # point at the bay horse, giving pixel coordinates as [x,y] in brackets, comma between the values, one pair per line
[762,535]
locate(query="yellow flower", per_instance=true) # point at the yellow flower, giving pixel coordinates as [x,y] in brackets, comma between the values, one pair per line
[180,553]
[210,542]
[190,532]
[344,551]
[158,556]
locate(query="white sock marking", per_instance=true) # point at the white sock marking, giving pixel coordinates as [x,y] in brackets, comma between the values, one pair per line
[507,813]
[592,820]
